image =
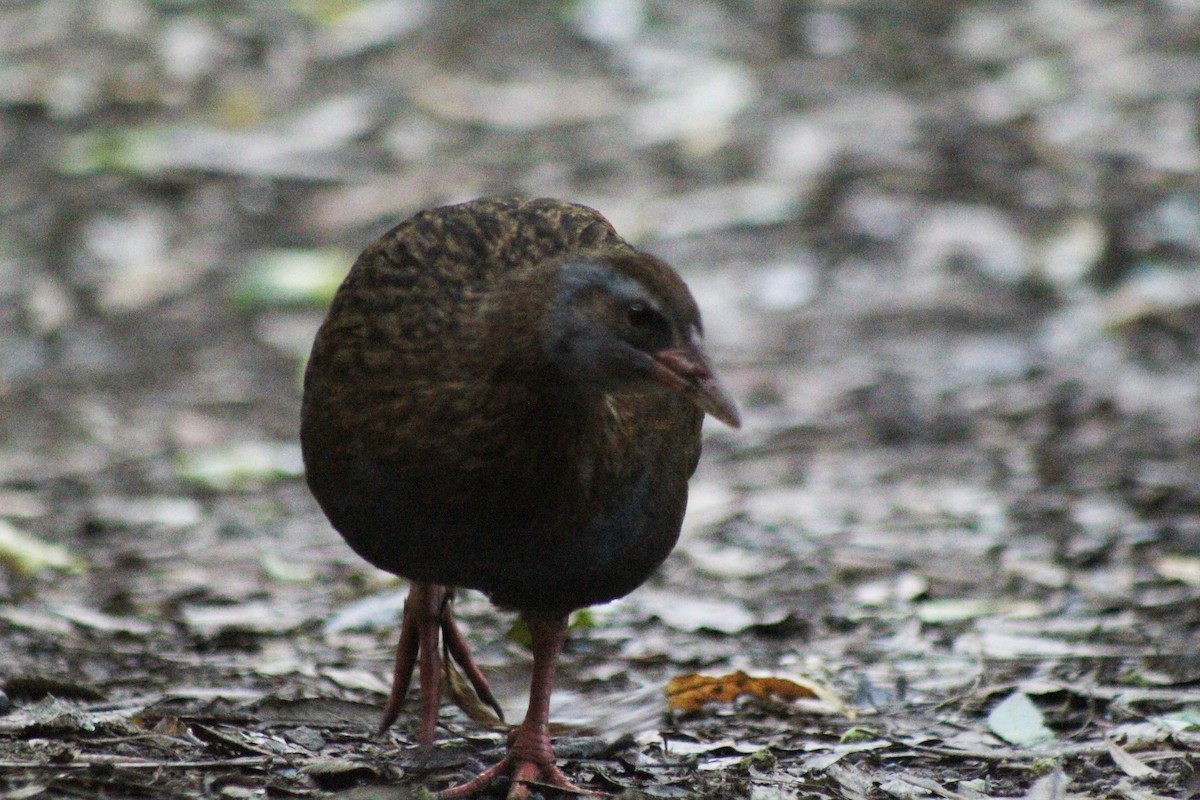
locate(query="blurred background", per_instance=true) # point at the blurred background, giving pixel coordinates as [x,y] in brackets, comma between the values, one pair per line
[946,252]
[178,177]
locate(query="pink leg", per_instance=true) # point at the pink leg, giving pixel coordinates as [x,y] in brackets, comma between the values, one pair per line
[419,632]
[530,756]
[429,664]
[406,653]
[427,617]
[457,647]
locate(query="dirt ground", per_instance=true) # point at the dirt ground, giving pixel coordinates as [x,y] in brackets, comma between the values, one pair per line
[947,256]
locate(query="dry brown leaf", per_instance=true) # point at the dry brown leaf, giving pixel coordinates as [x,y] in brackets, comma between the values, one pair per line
[1130,764]
[690,692]
[1051,786]
[463,695]
[170,726]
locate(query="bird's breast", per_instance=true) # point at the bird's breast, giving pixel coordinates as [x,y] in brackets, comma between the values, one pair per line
[542,505]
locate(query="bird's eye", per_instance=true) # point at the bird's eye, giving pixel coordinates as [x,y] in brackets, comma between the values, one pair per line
[643,316]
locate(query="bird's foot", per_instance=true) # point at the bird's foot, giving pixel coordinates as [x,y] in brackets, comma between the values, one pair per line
[525,774]
[428,618]
[530,762]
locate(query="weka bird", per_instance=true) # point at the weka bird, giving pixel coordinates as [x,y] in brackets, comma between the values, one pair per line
[506,396]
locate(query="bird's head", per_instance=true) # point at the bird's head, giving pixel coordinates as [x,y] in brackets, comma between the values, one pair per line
[618,320]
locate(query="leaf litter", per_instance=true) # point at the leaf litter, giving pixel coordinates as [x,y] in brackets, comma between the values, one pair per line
[965,496]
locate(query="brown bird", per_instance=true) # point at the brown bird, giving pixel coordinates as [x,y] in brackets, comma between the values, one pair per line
[506,396]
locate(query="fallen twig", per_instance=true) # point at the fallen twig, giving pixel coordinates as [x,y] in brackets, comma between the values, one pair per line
[131,763]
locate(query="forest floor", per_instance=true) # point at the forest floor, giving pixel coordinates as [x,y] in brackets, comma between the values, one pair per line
[946,254]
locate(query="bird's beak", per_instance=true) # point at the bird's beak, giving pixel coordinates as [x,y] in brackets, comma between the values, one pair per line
[687,370]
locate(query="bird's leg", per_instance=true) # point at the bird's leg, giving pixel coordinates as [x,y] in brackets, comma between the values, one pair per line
[427,617]
[419,631]
[460,653]
[429,607]
[530,756]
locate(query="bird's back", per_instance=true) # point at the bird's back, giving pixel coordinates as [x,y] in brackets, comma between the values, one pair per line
[449,452]
[436,265]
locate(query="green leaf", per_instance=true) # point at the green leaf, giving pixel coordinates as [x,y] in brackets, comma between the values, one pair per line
[1018,721]
[27,555]
[581,620]
[292,278]
[240,466]
[1185,719]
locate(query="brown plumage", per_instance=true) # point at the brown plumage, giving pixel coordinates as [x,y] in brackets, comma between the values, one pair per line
[507,396]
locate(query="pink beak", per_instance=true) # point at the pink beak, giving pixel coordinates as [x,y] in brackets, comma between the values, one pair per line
[687,370]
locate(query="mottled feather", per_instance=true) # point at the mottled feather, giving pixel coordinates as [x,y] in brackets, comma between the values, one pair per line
[446,446]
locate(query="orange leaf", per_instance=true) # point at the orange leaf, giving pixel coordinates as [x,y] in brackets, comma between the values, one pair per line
[690,692]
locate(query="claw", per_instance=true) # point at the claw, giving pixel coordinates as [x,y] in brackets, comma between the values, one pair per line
[460,653]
